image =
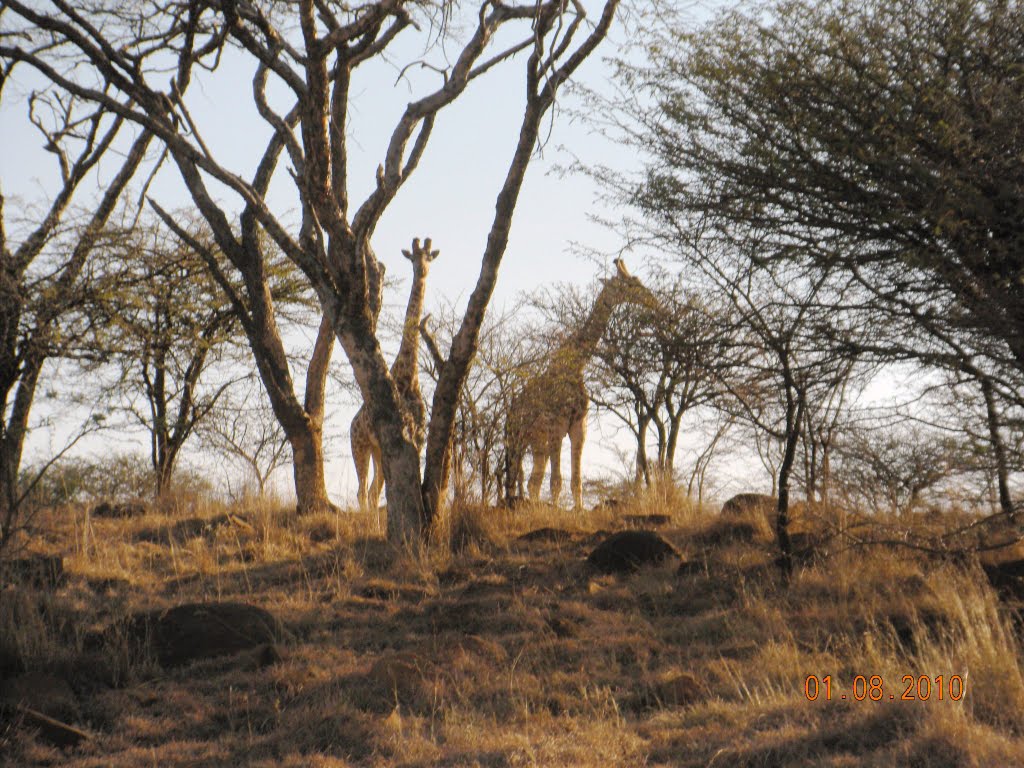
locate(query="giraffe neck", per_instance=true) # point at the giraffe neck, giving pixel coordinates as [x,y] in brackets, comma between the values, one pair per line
[582,344]
[405,368]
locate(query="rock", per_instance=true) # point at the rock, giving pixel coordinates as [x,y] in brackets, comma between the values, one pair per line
[50,729]
[628,551]
[119,509]
[742,504]
[45,571]
[642,521]
[40,691]
[194,631]
[1007,578]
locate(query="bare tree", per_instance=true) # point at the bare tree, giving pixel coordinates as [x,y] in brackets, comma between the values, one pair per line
[242,428]
[310,51]
[657,364]
[43,273]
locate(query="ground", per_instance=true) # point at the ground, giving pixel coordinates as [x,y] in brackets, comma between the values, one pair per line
[500,652]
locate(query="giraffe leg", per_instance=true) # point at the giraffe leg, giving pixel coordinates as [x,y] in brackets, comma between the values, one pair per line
[361,457]
[378,479]
[536,471]
[555,457]
[577,434]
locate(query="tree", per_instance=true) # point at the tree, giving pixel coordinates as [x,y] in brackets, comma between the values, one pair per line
[168,325]
[657,364]
[880,141]
[507,352]
[309,53]
[43,260]
[242,428]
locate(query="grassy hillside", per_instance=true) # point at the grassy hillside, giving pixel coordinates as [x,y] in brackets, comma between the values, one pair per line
[500,652]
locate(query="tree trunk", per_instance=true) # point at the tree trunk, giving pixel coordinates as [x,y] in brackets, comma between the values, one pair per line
[452,376]
[643,469]
[12,443]
[308,468]
[674,426]
[794,416]
[998,449]
[399,455]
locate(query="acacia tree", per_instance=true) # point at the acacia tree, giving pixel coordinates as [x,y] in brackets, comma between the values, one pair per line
[168,325]
[881,142]
[309,53]
[657,364]
[43,259]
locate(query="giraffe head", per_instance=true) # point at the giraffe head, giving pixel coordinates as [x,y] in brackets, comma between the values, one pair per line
[622,287]
[421,255]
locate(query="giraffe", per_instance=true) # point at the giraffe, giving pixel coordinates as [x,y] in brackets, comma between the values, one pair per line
[405,372]
[554,403]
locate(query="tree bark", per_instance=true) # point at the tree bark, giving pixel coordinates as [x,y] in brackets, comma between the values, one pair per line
[453,375]
[794,417]
[998,449]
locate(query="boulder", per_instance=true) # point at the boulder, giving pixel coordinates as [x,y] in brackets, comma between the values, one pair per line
[1007,578]
[41,691]
[194,631]
[742,504]
[628,551]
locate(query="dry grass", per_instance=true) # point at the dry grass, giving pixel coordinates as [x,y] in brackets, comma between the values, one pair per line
[492,651]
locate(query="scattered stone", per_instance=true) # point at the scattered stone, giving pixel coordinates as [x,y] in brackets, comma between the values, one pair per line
[119,509]
[628,551]
[194,631]
[44,571]
[642,521]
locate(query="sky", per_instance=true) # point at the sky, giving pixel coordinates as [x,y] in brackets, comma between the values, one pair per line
[450,198]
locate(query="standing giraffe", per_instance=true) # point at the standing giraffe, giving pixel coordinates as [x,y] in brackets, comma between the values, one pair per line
[554,403]
[405,372]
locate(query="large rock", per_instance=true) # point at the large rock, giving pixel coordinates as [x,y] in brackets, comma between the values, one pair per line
[1007,578]
[196,631]
[628,551]
[743,504]
[41,691]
